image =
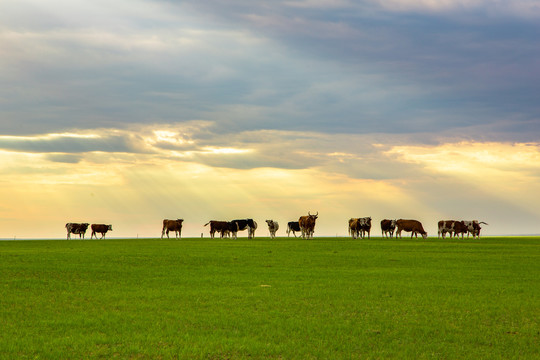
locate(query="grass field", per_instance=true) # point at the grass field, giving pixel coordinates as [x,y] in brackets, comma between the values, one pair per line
[327,298]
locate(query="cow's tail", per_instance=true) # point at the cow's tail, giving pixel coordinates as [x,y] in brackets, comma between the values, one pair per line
[207,223]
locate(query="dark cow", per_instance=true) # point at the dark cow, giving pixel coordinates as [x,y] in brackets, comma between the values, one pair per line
[388,227]
[307,225]
[293,226]
[101,229]
[414,226]
[223,227]
[172,225]
[273,226]
[365,227]
[460,228]
[358,227]
[248,224]
[76,228]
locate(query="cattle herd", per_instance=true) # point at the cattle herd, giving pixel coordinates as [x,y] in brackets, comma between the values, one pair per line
[358,228]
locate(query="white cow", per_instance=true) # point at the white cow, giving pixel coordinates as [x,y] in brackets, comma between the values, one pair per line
[273,226]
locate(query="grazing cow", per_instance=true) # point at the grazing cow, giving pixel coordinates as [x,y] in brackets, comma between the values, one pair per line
[223,227]
[273,226]
[76,228]
[172,225]
[101,229]
[293,226]
[473,227]
[414,226]
[388,227]
[248,224]
[307,225]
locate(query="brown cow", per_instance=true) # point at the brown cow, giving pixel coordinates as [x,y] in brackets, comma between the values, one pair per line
[460,228]
[359,226]
[223,227]
[414,226]
[172,225]
[307,225]
[451,227]
[76,228]
[100,228]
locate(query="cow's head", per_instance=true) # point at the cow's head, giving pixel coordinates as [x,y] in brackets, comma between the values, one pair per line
[180,221]
[424,235]
[313,216]
[109,227]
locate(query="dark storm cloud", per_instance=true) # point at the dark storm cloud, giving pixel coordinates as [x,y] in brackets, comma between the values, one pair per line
[326,66]
[67,144]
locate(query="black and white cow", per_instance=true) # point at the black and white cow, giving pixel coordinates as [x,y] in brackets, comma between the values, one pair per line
[76,228]
[293,226]
[248,224]
[388,227]
[273,226]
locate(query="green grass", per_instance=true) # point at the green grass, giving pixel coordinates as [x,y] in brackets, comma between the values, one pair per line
[325,298]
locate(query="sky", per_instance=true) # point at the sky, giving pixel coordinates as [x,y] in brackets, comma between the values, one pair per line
[131,112]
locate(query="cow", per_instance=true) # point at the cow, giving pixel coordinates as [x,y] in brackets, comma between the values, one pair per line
[223,227]
[473,227]
[414,226]
[293,226]
[307,225]
[76,228]
[172,225]
[101,229]
[445,226]
[460,228]
[273,226]
[388,227]
[248,224]
[354,227]
[359,226]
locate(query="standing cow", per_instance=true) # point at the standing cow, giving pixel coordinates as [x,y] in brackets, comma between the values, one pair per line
[451,227]
[307,225]
[273,226]
[172,225]
[473,227]
[414,226]
[249,224]
[445,226]
[224,228]
[358,227]
[101,229]
[293,226]
[388,227]
[76,228]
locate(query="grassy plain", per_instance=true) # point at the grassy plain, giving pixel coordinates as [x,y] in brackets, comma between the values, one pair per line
[327,298]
